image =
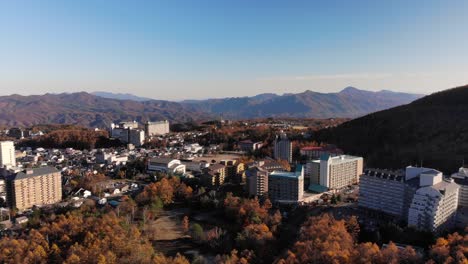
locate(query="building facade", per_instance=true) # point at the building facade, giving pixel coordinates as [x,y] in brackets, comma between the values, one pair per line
[257,181]
[461,178]
[249,145]
[282,148]
[314,152]
[214,175]
[434,205]
[128,132]
[286,186]
[421,196]
[7,154]
[335,172]
[386,191]
[166,165]
[157,128]
[312,171]
[32,187]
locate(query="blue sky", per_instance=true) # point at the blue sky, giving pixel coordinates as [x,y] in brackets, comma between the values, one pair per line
[199,49]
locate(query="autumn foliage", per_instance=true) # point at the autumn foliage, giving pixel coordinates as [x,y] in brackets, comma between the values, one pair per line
[74,238]
[167,189]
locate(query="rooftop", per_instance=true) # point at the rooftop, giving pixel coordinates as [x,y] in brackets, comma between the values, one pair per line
[161,160]
[35,172]
[339,159]
[285,174]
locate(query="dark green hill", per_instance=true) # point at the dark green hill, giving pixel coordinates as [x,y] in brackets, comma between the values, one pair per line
[432,130]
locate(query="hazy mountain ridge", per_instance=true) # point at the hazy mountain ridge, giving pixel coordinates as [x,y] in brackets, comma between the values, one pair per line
[432,131]
[87,110]
[350,102]
[98,111]
[121,96]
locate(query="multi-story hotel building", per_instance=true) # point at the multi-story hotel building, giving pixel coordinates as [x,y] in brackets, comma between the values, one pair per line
[283,148]
[31,187]
[418,195]
[257,181]
[286,186]
[461,178]
[386,191]
[335,172]
[434,205]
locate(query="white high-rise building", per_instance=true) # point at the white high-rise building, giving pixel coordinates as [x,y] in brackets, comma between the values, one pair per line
[461,178]
[283,148]
[335,172]
[434,205]
[420,195]
[7,154]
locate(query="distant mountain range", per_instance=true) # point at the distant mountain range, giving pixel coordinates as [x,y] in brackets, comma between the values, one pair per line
[432,131]
[87,110]
[121,96]
[350,102]
[101,108]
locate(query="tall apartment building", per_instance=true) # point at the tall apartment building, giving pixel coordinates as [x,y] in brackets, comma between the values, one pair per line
[286,186]
[335,172]
[7,154]
[257,181]
[418,195]
[434,205]
[282,148]
[461,178]
[31,187]
[156,128]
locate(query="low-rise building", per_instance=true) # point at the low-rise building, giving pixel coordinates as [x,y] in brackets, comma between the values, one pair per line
[249,145]
[315,152]
[166,165]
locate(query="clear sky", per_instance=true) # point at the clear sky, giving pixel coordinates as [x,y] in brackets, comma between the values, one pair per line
[202,49]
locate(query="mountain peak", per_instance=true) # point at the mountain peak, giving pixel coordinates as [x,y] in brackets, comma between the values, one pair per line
[350,89]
